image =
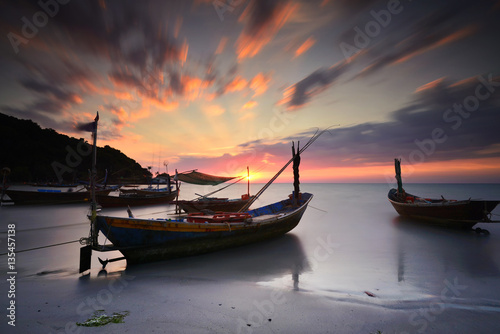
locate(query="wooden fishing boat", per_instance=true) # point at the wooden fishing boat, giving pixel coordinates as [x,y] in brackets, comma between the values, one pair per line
[134,199]
[206,204]
[144,240]
[453,213]
[52,196]
[147,191]
[195,177]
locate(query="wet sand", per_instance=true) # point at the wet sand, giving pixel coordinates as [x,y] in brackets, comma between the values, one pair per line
[160,303]
[341,270]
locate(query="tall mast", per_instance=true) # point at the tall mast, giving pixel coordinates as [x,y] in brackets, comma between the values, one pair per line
[397,165]
[93,205]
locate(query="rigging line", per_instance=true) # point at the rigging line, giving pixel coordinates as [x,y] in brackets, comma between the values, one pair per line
[46,228]
[216,191]
[238,180]
[311,140]
[317,208]
[154,213]
[31,249]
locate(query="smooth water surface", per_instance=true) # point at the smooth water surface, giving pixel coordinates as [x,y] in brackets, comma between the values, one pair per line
[349,243]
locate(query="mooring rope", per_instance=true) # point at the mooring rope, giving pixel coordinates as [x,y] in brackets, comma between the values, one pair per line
[31,249]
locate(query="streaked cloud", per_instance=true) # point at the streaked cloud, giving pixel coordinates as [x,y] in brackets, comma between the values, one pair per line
[250,105]
[213,110]
[222,45]
[297,95]
[262,19]
[305,46]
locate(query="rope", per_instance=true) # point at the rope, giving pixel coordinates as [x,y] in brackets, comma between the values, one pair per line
[312,140]
[46,228]
[31,249]
[317,208]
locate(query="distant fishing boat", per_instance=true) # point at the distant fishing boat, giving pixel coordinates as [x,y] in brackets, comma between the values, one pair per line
[51,196]
[205,203]
[135,199]
[147,191]
[214,204]
[195,177]
[447,212]
[144,240]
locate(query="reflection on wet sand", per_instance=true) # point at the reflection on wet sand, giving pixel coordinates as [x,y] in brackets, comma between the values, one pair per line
[451,249]
[265,260]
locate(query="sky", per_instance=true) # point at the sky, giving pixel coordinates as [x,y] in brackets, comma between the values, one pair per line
[219,85]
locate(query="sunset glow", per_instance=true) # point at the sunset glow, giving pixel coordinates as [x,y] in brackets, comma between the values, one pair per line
[221,88]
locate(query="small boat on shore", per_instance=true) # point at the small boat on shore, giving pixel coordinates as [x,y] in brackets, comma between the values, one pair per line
[205,203]
[446,212]
[135,199]
[146,191]
[213,204]
[52,196]
[145,240]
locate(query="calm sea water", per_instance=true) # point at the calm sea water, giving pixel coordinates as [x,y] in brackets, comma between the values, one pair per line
[349,242]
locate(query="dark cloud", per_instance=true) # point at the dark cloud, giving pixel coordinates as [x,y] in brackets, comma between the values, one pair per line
[301,92]
[413,128]
[125,78]
[262,13]
[176,83]
[411,131]
[127,31]
[451,22]
[54,91]
[353,7]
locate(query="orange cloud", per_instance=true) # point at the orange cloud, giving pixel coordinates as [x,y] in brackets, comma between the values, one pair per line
[76,99]
[253,39]
[121,114]
[259,83]
[305,46]
[288,94]
[193,87]
[221,46]
[237,84]
[250,105]
[430,85]
[183,52]
[123,96]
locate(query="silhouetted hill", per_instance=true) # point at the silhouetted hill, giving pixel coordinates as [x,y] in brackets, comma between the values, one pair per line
[34,154]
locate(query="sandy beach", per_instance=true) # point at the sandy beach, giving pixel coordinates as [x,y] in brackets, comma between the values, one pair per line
[339,271]
[160,303]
